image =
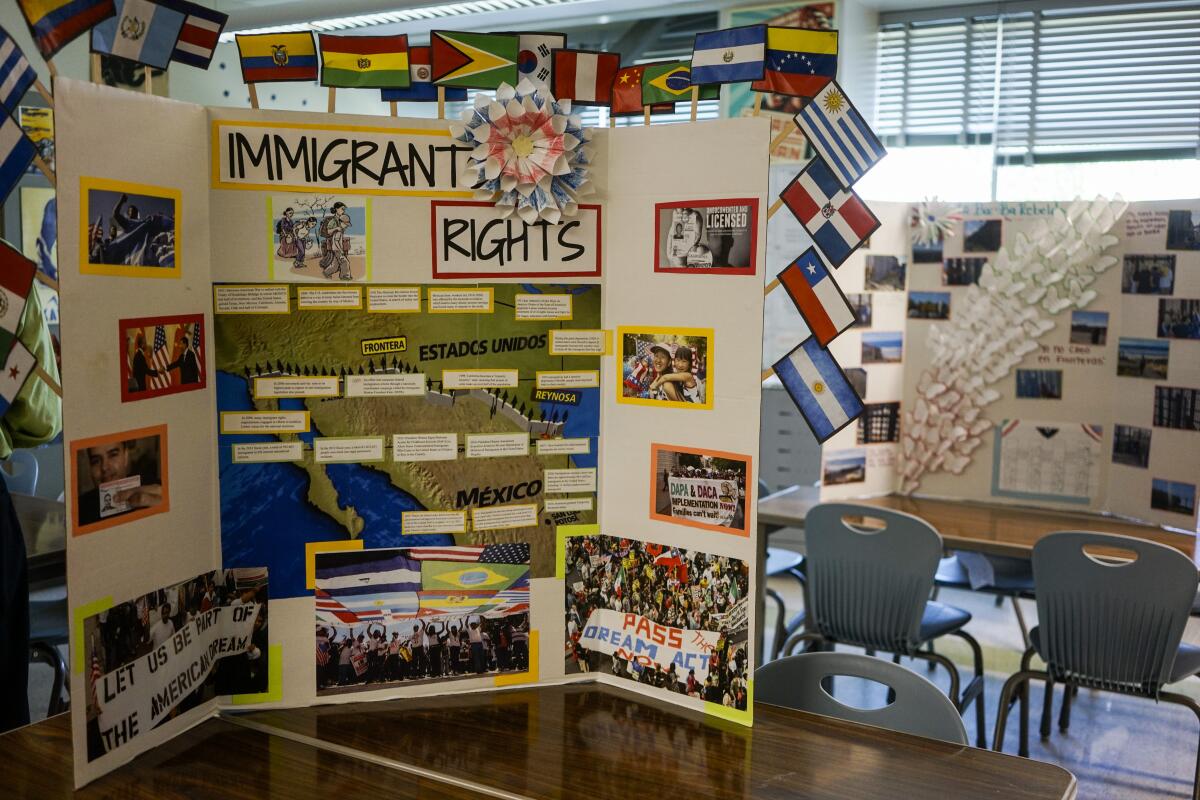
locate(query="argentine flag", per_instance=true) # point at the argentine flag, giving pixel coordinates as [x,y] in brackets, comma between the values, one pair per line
[819,389]
[140,31]
[729,56]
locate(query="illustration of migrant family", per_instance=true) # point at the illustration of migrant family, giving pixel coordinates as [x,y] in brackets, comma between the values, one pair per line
[319,238]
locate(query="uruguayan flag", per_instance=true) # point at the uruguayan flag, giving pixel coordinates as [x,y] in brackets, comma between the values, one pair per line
[16,76]
[839,133]
[819,389]
[141,31]
[729,56]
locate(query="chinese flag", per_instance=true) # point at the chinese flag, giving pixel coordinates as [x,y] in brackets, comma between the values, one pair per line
[627,94]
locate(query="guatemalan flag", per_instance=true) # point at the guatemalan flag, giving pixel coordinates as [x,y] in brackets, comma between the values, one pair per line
[819,389]
[141,31]
[840,135]
[730,55]
[817,296]
[837,220]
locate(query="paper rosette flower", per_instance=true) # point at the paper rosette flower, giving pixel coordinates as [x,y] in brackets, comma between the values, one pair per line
[529,155]
[933,221]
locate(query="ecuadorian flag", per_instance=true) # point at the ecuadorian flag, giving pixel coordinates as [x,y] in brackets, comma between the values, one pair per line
[364,62]
[275,57]
[54,23]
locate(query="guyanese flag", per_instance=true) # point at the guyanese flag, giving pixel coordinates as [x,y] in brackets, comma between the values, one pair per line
[467,576]
[670,81]
[364,62]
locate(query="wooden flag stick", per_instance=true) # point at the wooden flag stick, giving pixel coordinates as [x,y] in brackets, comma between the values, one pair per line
[46,279]
[44,92]
[96,77]
[45,168]
[332,104]
[612,120]
[778,204]
[766,373]
[695,101]
[757,103]
[253,95]
[392,106]
[53,70]
[46,379]
[441,102]
[148,85]
[781,137]
[771,286]
[646,112]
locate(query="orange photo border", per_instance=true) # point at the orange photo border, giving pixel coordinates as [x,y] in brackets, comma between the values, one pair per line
[123,436]
[743,532]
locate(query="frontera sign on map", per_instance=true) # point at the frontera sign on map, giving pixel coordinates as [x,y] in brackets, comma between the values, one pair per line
[383,346]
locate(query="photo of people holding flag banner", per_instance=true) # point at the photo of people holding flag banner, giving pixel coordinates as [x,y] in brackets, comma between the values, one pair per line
[673,619]
[700,488]
[667,366]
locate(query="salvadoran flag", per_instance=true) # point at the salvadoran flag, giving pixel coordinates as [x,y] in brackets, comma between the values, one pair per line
[839,134]
[817,296]
[729,56]
[837,220]
[819,389]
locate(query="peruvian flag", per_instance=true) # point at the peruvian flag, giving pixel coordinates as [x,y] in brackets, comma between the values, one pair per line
[817,296]
[836,218]
[585,77]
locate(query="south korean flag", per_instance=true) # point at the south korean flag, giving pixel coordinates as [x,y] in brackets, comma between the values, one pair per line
[534,62]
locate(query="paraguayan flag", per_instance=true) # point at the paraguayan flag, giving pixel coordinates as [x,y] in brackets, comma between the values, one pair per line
[839,133]
[141,31]
[730,55]
[819,389]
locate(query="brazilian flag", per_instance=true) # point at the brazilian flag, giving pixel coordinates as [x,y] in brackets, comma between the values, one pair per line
[471,576]
[671,81]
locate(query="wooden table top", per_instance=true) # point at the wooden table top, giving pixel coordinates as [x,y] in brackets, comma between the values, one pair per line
[1002,530]
[608,744]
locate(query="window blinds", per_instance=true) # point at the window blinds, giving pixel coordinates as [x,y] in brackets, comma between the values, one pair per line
[1044,81]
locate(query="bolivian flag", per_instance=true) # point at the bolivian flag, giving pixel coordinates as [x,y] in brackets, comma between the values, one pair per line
[274,57]
[437,575]
[364,62]
[670,81]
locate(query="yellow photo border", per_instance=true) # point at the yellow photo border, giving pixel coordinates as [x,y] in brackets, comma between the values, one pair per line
[307,422]
[217,286]
[432,290]
[416,310]
[706,333]
[570,307]
[607,336]
[534,506]
[86,267]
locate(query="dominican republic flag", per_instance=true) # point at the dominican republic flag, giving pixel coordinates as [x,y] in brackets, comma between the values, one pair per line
[16,154]
[16,76]
[819,389]
[535,57]
[421,88]
[730,55]
[840,135]
[817,296]
[201,29]
[585,77]
[141,31]
[837,220]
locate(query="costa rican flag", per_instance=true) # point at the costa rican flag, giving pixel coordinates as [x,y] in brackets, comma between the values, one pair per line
[839,134]
[819,388]
[817,296]
[201,31]
[837,220]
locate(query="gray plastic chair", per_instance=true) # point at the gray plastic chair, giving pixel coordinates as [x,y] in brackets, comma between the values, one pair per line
[918,707]
[1106,623]
[870,587]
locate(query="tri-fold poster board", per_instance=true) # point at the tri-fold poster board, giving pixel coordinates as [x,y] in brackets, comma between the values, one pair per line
[339,431]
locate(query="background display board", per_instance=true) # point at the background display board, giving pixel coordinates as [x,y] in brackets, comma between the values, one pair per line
[311,380]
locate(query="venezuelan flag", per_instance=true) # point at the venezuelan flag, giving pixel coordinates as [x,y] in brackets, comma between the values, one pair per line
[799,61]
[276,57]
[54,23]
[364,62]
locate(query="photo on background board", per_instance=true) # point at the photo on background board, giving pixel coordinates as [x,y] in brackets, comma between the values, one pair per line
[134,653]
[962,271]
[666,366]
[844,466]
[1179,319]
[879,423]
[927,252]
[1177,407]
[1039,384]
[38,124]
[929,305]
[1148,275]
[981,235]
[882,348]
[319,237]
[161,355]
[700,488]
[858,379]
[119,478]
[39,230]
[1183,230]
[418,615]
[1131,446]
[1143,358]
[1089,327]
[884,274]
[715,237]
[695,641]
[1173,496]
[862,307]
[129,229]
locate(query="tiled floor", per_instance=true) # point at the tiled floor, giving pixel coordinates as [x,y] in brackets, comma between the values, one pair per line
[1118,747]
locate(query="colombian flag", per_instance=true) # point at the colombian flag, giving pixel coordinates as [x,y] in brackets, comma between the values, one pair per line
[364,62]
[273,57]
[53,23]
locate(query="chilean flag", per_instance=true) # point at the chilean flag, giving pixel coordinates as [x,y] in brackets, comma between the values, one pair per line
[837,220]
[817,296]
